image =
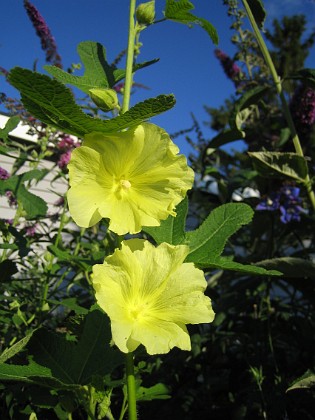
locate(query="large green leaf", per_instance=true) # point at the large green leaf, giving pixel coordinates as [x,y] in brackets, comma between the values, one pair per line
[171,230]
[98,72]
[53,103]
[76,363]
[179,11]
[60,363]
[208,241]
[280,165]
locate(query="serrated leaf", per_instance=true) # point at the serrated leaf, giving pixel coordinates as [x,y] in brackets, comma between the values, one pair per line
[228,264]
[207,242]
[98,72]
[179,11]
[307,76]
[53,103]
[171,230]
[10,125]
[31,373]
[280,165]
[304,382]
[290,267]
[16,348]
[258,12]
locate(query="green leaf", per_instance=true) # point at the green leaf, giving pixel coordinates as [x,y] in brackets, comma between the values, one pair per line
[16,348]
[179,11]
[280,165]
[290,267]
[156,392]
[76,363]
[226,137]
[10,125]
[32,204]
[207,242]
[70,303]
[258,12]
[171,230]
[31,373]
[304,382]
[306,76]
[224,263]
[250,97]
[53,103]
[98,72]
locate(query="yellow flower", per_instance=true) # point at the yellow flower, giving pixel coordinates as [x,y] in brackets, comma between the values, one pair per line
[134,178]
[149,293]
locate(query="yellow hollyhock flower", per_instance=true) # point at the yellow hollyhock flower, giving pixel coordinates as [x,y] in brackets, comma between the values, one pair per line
[149,293]
[134,178]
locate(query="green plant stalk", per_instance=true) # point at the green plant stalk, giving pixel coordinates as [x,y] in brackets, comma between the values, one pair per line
[285,107]
[130,56]
[130,376]
[131,387]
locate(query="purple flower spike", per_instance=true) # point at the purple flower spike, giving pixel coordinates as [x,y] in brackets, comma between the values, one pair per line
[230,68]
[47,40]
[302,107]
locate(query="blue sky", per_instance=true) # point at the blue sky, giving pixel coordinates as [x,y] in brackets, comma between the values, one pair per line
[187,66]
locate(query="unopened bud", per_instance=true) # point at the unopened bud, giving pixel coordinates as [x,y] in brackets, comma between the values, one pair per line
[145,13]
[105,99]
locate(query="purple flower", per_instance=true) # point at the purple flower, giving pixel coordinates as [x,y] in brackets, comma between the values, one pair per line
[287,201]
[4,174]
[302,107]
[64,159]
[230,68]
[67,143]
[11,198]
[30,230]
[47,40]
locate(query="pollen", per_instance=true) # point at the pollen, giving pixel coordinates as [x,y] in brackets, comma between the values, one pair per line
[125,183]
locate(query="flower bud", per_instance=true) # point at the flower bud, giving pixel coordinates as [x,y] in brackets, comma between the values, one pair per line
[145,13]
[105,99]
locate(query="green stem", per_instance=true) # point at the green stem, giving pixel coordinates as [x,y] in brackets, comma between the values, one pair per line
[285,107]
[131,387]
[130,55]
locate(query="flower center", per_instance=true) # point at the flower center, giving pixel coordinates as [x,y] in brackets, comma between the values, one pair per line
[138,311]
[125,184]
